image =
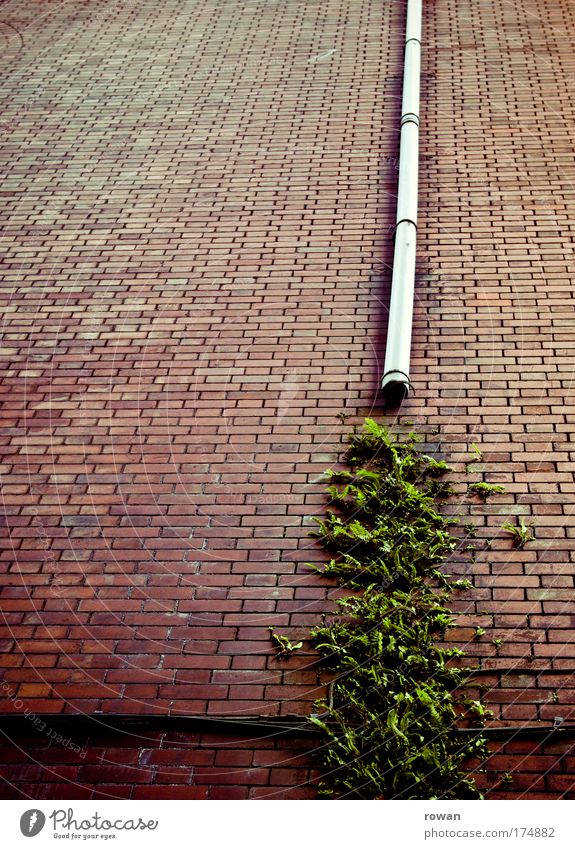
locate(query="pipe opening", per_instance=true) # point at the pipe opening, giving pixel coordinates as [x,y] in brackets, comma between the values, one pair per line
[395,392]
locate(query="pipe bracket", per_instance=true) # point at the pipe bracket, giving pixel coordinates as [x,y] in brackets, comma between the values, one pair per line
[397,371]
[404,221]
[409,117]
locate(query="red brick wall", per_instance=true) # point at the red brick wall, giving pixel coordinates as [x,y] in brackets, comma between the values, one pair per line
[197,232]
[492,354]
[152,764]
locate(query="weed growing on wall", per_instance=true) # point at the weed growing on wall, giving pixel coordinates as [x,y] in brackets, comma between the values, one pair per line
[391,719]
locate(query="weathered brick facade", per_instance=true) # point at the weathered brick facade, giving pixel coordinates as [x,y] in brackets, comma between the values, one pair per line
[198,212]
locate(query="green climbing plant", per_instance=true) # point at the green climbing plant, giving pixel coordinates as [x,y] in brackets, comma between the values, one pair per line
[283,645]
[521,533]
[484,490]
[391,723]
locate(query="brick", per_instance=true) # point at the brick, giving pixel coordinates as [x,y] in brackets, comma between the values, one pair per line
[234,776]
[115,773]
[169,792]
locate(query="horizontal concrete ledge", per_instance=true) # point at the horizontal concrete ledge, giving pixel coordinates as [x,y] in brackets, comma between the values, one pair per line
[508,732]
[74,723]
[520,670]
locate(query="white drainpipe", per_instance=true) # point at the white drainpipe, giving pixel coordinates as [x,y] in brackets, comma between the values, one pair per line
[395,382]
